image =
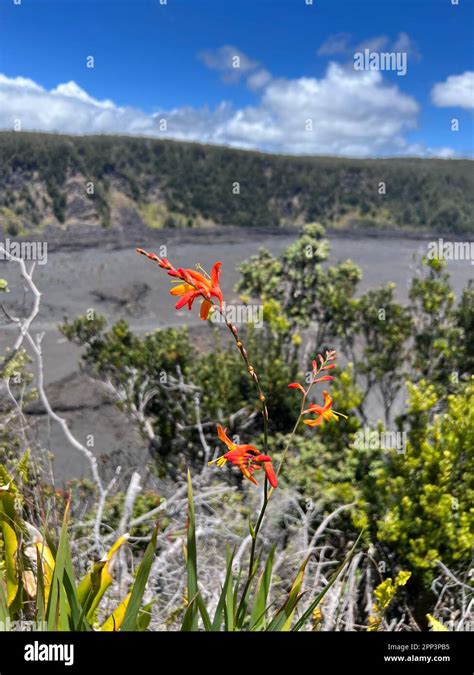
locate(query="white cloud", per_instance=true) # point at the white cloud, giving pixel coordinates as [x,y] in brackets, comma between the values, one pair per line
[228,60]
[67,109]
[73,90]
[352,113]
[18,83]
[340,43]
[373,44]
[335,44]
[258,79]
[443,153]
[420,150]
[455,91]
[404,43]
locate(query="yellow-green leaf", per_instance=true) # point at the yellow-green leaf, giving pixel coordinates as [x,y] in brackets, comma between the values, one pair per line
[93,586]
[7,514]
[436,625]
[115,620]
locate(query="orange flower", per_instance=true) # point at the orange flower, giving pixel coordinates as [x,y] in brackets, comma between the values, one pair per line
[246,457]
[297,385]
[323,413]
[194,284]
[324,365]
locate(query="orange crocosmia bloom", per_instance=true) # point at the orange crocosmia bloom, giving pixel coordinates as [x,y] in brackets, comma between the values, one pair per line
[324,378]
[323,413]
[194,284]
[246,457]
[297,385]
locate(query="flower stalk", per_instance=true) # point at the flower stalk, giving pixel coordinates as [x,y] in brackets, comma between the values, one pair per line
[325,364]
[194,284]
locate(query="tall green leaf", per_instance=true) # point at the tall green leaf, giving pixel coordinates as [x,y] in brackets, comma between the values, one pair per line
[188,618]
[191,557]
[10,542]
[57,610]
[130,621]
[221,604]
[206,619]
[229,608]
[241,611]
[283,618]
[257,618]
[4,614]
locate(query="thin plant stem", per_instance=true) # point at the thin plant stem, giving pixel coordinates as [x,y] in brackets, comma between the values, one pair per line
[262,398]
[303,405]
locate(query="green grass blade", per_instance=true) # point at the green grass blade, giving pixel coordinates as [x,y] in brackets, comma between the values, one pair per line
[188,618]
[283,618]
[77,622]
[57,610]
[309,611]
[191,555]
[241,612]
[206,619]
[229,609]
[77,618]
[236,594]
[221,605]
[259,621]
[261,596]
[130,621]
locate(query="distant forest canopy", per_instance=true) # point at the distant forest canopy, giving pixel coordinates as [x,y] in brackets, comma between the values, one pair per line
[119,181]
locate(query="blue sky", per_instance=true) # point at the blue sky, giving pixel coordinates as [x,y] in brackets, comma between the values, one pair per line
[295,89]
